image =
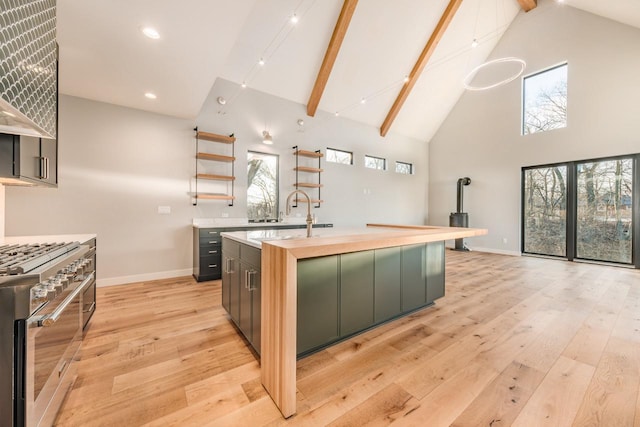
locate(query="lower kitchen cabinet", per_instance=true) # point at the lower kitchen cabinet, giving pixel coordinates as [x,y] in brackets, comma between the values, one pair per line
[318,295]
[387,296]
[435,271]
[414,291]
[356,291]
[241,294]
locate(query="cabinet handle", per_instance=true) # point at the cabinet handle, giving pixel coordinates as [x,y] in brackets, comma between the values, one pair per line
[213,232]
[246,279]
[213,265]
[227,265]
[250,275]
[44,168]
[213,242]
[213,252]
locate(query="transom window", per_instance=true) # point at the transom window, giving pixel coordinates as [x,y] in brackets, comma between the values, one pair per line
[339,156]
[404,168]
[373,162]
[544,100]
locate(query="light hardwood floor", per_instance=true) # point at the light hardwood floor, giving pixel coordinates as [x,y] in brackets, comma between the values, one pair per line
[516,341]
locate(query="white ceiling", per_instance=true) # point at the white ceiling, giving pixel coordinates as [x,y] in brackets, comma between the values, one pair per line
[104,56]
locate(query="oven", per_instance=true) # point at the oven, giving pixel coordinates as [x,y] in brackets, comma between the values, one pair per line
[47,333]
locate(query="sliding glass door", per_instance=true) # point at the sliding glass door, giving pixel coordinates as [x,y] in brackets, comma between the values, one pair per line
[583,210]
[604,207]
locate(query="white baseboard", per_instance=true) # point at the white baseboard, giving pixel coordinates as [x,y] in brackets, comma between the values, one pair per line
[488,250]
[122,280]
[497,251]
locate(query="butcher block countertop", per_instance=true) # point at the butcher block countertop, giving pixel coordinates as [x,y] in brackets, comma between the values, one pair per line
[330,241]
[279,288]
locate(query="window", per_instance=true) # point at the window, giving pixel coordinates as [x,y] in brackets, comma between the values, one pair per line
[544,100]
[262,186]
[404,168]
[339,156]
[375,163]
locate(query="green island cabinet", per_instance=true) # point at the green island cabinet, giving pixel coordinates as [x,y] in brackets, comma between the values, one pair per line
[338,295]
[241,293]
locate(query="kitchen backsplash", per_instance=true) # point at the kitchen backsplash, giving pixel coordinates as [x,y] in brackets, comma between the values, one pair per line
[28,59]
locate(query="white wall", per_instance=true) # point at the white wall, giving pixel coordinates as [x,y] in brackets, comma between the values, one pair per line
[481,137]
[391,198]
[117,165]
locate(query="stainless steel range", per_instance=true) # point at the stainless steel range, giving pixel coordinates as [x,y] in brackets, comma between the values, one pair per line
[43,288]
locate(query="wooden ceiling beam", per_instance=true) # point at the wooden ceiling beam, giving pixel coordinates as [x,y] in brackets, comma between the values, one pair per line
[527,5]
[340,30]
[428,50]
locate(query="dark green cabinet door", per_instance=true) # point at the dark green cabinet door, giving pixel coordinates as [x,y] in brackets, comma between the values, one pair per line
[387,284]
[317,302]
[435,271]
[414,289]
[356,292]
[246,304]
[256,303]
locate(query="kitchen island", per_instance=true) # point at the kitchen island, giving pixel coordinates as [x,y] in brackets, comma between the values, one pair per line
[284,255]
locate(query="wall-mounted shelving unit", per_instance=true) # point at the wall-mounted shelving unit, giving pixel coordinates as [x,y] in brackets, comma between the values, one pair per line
[308,170]
[219,158]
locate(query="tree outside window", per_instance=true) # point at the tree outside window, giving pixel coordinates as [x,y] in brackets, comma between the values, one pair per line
[545,100]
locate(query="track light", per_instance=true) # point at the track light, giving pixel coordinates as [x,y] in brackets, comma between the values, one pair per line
[267,138]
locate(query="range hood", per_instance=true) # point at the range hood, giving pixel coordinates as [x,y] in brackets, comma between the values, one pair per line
[29,68]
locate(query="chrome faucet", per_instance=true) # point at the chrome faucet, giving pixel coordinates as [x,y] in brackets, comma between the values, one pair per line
[309,218]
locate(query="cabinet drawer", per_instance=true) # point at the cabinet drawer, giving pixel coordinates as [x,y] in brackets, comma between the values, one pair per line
[250,255]
[210,251]
[210,265]
[210,232]
[210,241]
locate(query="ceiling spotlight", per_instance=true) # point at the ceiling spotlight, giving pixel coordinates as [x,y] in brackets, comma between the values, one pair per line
[150,32]
[474,43]
[243,85]
[266,138]
[150,95]
[406,79]
[221,100]
[294,19]
[336,114]
[363,101]
[261,61]
[300,122]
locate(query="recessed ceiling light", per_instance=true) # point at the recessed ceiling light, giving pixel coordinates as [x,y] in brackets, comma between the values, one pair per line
[261,61]
[294,19]
[152,33]
[406,79]
[474,43]
[244,84]
[363,101]
[221,100]
[336,114]
[150,95]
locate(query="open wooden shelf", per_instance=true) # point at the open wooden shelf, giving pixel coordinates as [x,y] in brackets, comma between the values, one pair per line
[307,185]
[214,196]
[307,153]
[215,137]
[305,201]
[307,169]
[216,157]
[215,177]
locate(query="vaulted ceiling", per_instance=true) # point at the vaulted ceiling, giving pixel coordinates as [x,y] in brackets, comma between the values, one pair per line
[105,57]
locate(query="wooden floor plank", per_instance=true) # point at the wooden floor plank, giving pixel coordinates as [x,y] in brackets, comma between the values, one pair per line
[565,336]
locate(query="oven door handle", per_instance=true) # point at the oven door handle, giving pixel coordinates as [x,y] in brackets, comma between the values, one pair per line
[51,319]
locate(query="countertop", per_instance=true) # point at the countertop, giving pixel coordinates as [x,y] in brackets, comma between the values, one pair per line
[50,238]
[328,241]
[243,222]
